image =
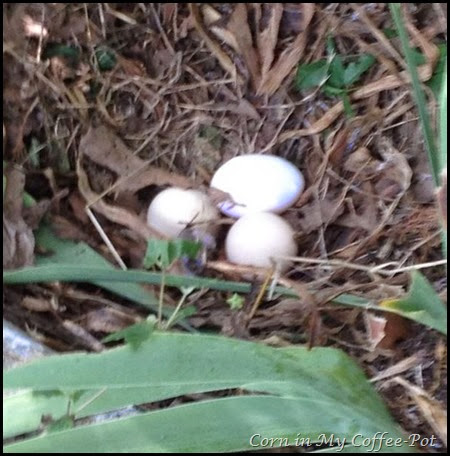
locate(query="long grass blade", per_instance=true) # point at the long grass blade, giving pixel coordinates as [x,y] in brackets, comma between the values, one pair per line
[418,93]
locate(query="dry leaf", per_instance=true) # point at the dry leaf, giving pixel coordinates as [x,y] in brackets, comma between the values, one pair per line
[360,161]
[38,304]
[384,332]
[320,213]
[114,213]
[287,313]
[402,366]
[395,171]
[267,38]
[289,58]
[368,218]
[18,238]
[442,198]
[65,229]
[239,27]
[108,320]
[430,408]
[82,336]
[105,148]
[225,61]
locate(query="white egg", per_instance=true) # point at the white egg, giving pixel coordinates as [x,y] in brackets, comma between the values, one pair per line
[258,237]
[173,209]
[258,183]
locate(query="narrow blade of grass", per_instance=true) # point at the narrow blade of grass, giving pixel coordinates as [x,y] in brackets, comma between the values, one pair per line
[418,93]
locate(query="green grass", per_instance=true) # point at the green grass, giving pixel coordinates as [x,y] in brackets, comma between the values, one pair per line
[437,156]
[434,156]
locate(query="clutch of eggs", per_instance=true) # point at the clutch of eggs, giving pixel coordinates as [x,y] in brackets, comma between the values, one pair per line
[259,187]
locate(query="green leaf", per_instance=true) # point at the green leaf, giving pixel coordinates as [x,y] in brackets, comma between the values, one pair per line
[60,253]
[443,121]
[305,391]
[16,423]
[61,424]
[354,70]
[310,75]
[333,91]
[106,59]
[212,135]
[442,191]
[70,53]
[390,32]
[422,304]
[347,106]
[236,302]
[436,83]
[34,152]
[337,73]
[418,57]
[163,253]
[231,424]
[417,90]
[134,335]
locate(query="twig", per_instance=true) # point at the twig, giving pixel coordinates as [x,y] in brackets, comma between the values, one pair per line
[105,238]
[379,269]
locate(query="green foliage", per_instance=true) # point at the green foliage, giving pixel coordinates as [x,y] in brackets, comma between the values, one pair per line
[310,75]
[443,150]
[212,135]
[163,253]
[60,253]
[422,304]
[419,96]
[436,83]
[236,302]
[70,53]
[61,424]
[107,278]
[443,119]
[134,335]
[77,262]
[34,152]
[292,390]
[106,59]
[436,157]
[335,75]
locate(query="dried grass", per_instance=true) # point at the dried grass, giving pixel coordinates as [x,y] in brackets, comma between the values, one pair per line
[183,69]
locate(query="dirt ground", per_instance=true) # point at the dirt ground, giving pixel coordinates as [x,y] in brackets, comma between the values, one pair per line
[109,103]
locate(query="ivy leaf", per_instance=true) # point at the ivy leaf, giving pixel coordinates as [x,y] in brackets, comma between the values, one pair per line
[333,91]
[106,59]
[356,69]
[337,73]
[311,75]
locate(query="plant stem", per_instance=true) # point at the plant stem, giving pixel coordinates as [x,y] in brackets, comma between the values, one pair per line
[186,293]
[161,297]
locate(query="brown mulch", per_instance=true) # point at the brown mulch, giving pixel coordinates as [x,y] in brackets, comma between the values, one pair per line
[188,87]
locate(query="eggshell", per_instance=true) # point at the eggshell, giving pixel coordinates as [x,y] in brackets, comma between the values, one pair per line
[173,209]
[257,237]
[258,183]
